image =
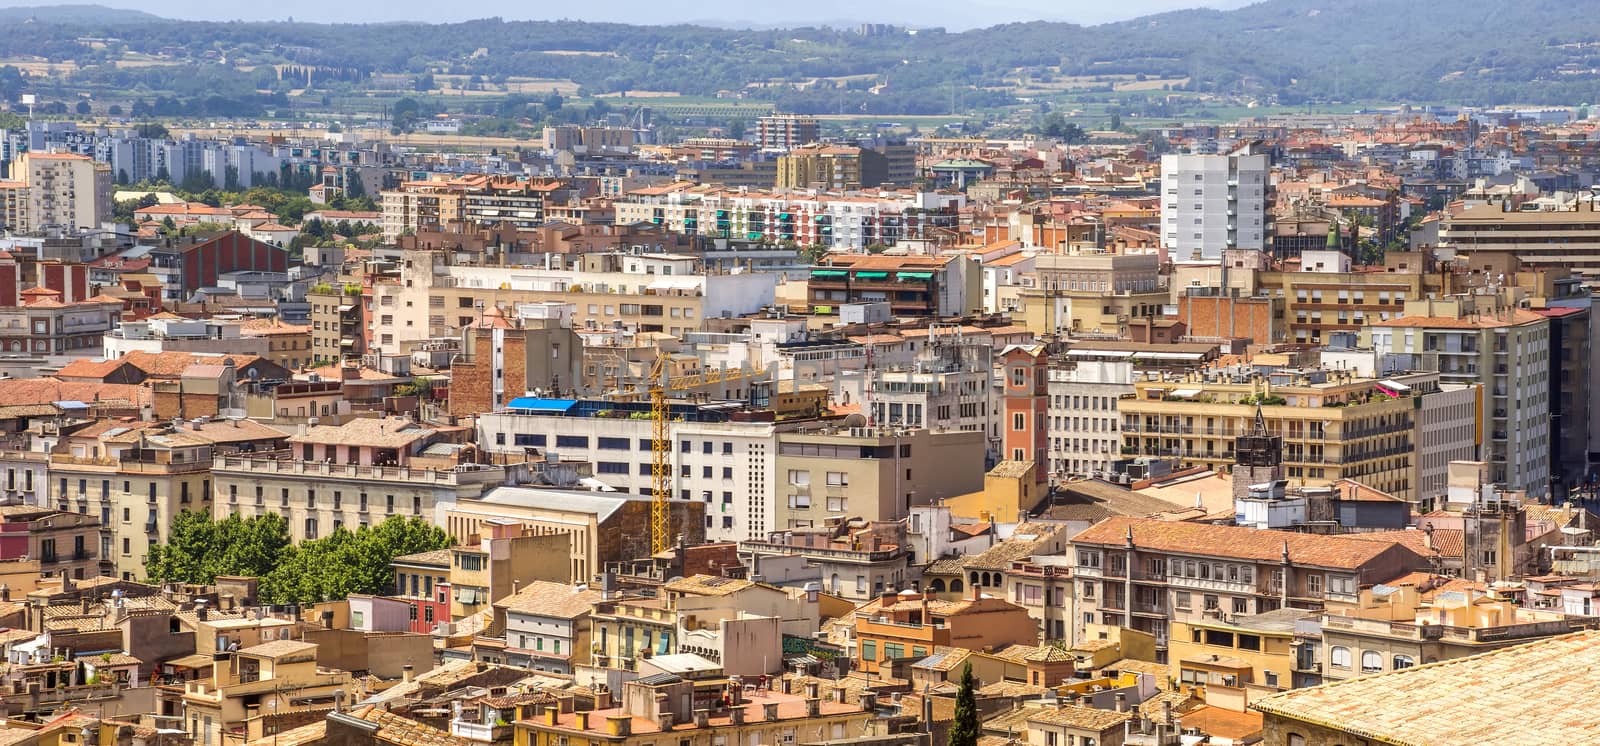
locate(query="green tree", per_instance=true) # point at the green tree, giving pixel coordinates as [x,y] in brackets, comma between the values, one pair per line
[200,548]
[964,729]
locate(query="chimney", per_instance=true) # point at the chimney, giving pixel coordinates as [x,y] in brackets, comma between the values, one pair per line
[769,711]
[736,715]
[869,702]
[702,718]
[619,725]
[408,672]
[84,602]
[200,609]
[583,720]
[1122,702]
[1166,712]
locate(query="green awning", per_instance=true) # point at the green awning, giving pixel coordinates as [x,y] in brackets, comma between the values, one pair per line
[827,273]
[871,275]
[783,216]
[822,218]
[822,309]
[914,275]
[754,235]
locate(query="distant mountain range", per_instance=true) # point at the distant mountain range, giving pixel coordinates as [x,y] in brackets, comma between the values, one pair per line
[1288,51]
[86,14]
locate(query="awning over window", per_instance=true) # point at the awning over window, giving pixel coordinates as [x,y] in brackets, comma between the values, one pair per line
[828,273]
[914,275]
[871,275]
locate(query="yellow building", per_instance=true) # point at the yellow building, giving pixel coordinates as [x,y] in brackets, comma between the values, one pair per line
[1009,493]
[1334,424]
[1092,293]
[1253,652]
[255,681]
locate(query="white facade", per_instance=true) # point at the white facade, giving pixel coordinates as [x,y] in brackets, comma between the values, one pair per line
[1211,203]
[1446,425]
[730,466]
[1085,428]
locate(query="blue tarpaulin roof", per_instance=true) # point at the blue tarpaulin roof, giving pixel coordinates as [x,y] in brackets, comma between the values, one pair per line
[537,404]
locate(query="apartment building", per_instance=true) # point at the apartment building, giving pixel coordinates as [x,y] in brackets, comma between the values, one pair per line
[938,287]
[1084,293]
[601,527]
[729,466]
[546,625]
[1326,294]
[338,322]
[786,131]
[66,545]
[1147,573]
[503,358]
[430,205]
[14,207]
[912,625]
[1481,340]
[64,189]
[350,475]
[1496,238]
[138,476]
[1238,653]
[1393,627]
[432,298]
[876,474]
[841,221]
[1335,425]
[1211,203]
[1085,423]
[243,682]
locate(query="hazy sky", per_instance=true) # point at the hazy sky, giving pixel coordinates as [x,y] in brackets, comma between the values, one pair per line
[954,14]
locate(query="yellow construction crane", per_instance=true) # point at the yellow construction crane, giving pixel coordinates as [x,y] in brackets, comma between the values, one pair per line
[660,450]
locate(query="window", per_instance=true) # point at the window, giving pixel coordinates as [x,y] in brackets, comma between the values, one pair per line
[1339,656]
[1019,421]
[572,441]
[838,479]
[612,444]
[800,502]
[869,650]
[1371,661]
[1314,586]
[1271,678]
[1402,662]
[611,467]
[358,618]
[799,477]
[1295,739]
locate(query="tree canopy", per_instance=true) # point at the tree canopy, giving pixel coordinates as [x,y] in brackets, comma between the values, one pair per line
[331,567]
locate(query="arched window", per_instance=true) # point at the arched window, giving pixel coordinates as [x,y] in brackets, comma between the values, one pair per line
[1339,656]
[956,586]
[834,583]
[936,585]
[1403,662]
[1371,661]
[974,577]
[1295,739]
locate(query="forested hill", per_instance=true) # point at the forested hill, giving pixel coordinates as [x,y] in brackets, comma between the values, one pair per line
[1288,51]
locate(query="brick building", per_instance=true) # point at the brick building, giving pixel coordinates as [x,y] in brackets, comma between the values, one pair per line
[505,359]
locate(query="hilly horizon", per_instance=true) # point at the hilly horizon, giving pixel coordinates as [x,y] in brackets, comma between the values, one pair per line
[1286,52]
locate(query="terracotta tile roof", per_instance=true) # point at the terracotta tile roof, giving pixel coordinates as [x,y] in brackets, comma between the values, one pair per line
[1027,540]
[46,390]
[1073,716]
[1548,684]
[403,731]
[171,364]
[707,585]
[378,433]
[1238,727]
[1239,542]
[547,599]
[1517,317]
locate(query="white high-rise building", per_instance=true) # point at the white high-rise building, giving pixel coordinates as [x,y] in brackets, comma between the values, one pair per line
[1211,203]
